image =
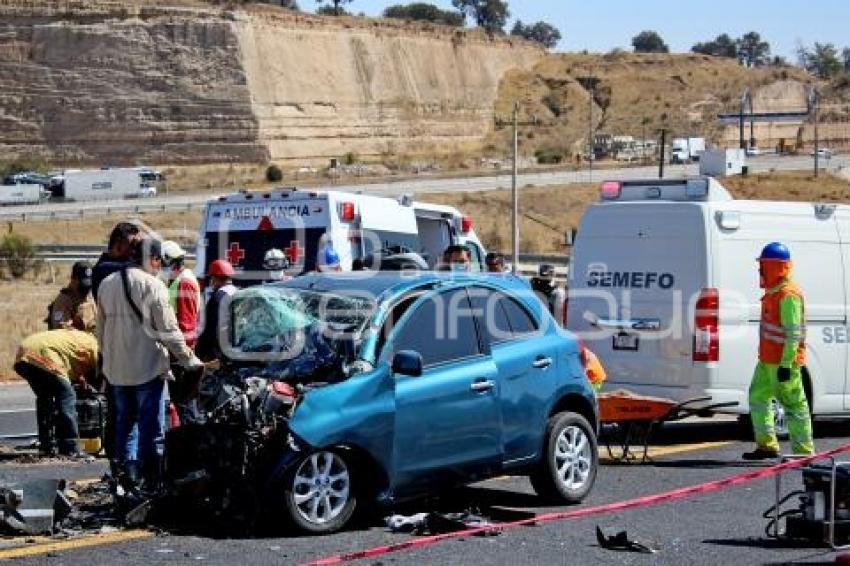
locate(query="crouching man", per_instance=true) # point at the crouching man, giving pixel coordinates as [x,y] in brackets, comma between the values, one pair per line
[137,328]
[53,362]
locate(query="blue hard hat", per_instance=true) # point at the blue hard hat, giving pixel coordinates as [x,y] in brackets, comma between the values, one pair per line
[775,251]
[328,256]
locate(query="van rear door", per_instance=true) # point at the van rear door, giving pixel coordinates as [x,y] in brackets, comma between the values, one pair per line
[636,268]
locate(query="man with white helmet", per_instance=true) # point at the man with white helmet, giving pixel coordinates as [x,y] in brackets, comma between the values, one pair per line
[184,292]
[276,263]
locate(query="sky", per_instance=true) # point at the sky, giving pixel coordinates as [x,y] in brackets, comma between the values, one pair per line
[601,25]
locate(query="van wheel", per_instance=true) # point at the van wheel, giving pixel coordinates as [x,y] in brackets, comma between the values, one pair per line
[319,495]
[567,470]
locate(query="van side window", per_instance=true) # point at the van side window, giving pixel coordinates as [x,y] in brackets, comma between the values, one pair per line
[376,240]
[442,329]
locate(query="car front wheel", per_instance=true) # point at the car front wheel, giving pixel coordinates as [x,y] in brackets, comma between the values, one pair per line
[567,470]
[320,494]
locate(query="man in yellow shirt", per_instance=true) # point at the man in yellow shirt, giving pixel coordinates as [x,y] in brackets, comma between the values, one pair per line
[52,362]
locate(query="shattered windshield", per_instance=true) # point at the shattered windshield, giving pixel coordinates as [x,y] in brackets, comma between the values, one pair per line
[268,318]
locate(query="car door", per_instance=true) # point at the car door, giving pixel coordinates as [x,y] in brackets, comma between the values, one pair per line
[447,424]
[526,361]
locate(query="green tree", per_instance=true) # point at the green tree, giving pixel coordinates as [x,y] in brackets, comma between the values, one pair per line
[821,60]
[492,15]
[334,9]
[846,56]
[752,50]
[720,46]
[545,34]
[421,11]
[649,42]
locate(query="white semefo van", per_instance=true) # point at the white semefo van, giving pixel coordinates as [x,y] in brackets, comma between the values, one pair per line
[242,227]
[664,288]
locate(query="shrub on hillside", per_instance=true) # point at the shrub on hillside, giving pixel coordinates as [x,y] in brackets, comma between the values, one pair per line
[17,254]
[273,174]
[549,155]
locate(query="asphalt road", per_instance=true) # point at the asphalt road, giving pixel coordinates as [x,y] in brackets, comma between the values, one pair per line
[723,527]
[432,185]
[17,410]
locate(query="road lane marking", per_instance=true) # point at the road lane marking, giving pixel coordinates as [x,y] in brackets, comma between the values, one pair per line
[73,544]
[657,451]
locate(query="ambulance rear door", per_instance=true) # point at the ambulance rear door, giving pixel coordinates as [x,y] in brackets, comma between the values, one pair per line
[242,228]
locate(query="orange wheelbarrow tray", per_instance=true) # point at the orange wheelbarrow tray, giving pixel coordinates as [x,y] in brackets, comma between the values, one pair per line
[628,418]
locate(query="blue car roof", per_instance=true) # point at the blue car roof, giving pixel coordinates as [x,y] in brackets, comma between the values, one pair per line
[381,282]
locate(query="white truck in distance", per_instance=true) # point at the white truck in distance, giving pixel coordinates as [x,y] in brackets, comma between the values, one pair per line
[664,288]
[22,193]
[100,184]
[686,150]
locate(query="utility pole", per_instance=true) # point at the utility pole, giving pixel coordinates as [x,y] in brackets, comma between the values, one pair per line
[515,196]
[815,104]
[661,153]
[591,154]
[515,124]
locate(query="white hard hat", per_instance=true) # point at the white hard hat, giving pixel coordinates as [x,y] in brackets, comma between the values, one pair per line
[171,251]
[275,260]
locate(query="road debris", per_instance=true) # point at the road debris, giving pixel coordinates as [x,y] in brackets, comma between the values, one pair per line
[621,542]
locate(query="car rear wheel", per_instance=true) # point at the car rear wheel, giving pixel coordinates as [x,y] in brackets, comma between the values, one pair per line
[567,470]
[320,495]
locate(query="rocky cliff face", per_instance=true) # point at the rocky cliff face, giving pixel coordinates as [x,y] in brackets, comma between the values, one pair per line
[117,83]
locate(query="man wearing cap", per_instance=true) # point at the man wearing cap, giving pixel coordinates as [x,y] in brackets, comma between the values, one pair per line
[548,291]
[137,330]
[74,307]
[184,293]
[328,259]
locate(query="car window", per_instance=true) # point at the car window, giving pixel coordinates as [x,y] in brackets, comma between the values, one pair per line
[519,318]
[395,314]
[442,329]
[489,307]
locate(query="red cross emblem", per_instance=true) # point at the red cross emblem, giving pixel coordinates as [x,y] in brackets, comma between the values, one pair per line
[235,254]
[294,252]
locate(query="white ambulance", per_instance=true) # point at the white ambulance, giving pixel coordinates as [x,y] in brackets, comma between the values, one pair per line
[664,288]
[242,227]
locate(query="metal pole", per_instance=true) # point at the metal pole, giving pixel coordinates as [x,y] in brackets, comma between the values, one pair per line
[661,154]
[514,195]
[590,152]
[817,137]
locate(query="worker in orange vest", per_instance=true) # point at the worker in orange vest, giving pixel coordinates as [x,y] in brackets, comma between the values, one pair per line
[782,354]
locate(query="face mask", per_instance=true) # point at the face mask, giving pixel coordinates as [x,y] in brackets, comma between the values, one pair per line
[459,267]
[164,275]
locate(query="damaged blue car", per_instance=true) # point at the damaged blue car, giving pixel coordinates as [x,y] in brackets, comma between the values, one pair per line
[343,389]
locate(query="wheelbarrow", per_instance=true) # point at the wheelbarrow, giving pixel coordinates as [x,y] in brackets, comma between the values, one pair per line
[629,419]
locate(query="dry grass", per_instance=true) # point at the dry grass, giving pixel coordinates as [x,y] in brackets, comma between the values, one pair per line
[546,213]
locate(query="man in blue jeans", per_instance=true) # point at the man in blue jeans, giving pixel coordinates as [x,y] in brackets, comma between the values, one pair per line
[137,328]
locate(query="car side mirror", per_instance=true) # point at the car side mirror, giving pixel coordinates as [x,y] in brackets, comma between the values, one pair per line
[407,362]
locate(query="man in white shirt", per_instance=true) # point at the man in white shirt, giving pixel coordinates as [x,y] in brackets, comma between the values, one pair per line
[136,329]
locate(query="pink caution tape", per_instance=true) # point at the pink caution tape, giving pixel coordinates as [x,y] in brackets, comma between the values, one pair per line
[644,501]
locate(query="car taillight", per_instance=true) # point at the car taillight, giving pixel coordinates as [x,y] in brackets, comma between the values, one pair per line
[706,324]
[466,224]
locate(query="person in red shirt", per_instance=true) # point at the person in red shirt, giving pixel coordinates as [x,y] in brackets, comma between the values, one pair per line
[184,292]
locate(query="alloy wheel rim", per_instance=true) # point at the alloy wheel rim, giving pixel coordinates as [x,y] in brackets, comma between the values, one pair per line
[321,487]
[573,457]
